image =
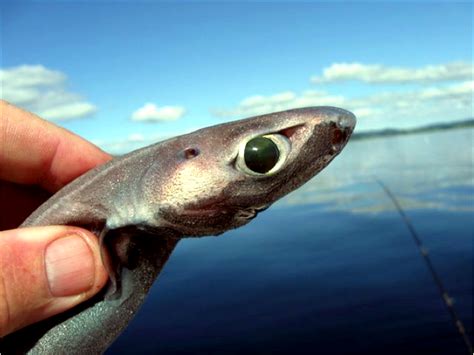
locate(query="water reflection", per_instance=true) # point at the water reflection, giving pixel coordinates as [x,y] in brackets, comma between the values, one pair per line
[424,170]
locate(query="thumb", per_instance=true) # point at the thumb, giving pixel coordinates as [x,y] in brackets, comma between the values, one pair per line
[45,271]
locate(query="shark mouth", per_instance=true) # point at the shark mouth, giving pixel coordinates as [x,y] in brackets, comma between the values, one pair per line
[250,213]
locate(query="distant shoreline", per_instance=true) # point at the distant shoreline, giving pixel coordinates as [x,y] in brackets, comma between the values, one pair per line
[469,123]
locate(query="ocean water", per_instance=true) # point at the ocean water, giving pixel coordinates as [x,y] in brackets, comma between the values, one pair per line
[331,268]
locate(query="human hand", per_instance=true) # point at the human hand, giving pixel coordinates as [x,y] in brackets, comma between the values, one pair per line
[43,270]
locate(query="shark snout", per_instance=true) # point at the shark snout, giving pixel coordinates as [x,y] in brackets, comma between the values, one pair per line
[343,119]
[341,123]
[330,126]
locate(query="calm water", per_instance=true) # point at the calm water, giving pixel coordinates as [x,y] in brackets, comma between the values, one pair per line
[331,269]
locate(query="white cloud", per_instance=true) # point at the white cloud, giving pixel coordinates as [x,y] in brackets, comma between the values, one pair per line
[31,75]
[395,109]
[68,111]
[416,107]
[259,104]
[259,100]
[461,90]
[133,141]
[380,74]
[151,112]
[136,137]
[43,91]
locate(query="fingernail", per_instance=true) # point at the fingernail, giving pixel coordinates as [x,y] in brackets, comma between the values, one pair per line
[70,266]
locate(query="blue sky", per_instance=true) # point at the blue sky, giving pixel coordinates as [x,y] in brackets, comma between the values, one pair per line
[124,74]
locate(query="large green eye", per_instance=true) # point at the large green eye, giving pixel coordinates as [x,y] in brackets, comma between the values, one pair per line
[261,154]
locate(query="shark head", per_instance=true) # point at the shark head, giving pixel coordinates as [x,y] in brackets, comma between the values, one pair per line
[222,176]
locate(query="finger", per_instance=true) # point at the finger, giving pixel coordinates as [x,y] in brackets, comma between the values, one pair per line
[35,151]
[45,271]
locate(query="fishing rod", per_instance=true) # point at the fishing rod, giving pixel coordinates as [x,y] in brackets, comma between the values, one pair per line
[447,300]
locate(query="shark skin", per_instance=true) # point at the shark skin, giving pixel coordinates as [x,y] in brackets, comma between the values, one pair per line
[141,204]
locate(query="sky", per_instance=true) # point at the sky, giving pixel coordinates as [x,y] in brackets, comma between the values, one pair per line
[125,74]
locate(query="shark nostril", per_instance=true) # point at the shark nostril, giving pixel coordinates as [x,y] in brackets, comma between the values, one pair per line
[339,135]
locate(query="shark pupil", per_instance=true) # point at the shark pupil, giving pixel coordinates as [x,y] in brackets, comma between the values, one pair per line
[261,154]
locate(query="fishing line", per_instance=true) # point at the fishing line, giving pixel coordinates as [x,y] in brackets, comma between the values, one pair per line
[447,300]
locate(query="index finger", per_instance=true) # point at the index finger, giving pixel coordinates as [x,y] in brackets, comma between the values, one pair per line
[35,151]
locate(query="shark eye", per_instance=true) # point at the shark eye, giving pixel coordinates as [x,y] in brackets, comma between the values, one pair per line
[263,155]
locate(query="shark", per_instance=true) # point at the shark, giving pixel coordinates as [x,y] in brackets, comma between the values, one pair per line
[143,203]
